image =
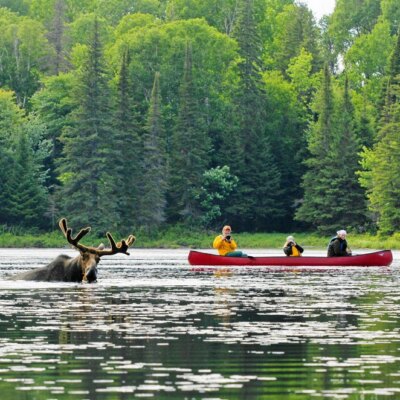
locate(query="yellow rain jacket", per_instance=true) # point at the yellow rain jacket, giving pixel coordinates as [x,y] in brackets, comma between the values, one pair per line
[223,246]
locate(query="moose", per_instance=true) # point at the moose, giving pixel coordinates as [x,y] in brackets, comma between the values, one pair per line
[82,268]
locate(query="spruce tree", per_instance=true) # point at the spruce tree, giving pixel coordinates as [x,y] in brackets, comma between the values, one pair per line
[27,196]
[315,181]
[6,189]
[154,176]
[333,198]
[381,165]
[128,166]
[90,153]
[191,150]
[255,203]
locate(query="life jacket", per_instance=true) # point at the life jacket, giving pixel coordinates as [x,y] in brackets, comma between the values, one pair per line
[295,252]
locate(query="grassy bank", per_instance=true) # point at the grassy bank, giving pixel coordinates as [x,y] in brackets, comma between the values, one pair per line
[179,237]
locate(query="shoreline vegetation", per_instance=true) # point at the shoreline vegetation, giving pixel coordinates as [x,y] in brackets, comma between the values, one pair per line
[181,238]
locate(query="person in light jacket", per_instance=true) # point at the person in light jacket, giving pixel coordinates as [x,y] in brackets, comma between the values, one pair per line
[291,248]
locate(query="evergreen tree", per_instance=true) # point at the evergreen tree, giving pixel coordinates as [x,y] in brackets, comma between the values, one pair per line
[333,197]
[255,203]
[381,165]
[128,166]
[27,196]
[6,168]
[154,177]
[191,151]
[90,154]
[315,181]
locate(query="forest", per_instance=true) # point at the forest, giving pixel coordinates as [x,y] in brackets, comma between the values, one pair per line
[141,114]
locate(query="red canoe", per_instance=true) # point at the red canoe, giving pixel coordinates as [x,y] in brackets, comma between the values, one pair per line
[381,258]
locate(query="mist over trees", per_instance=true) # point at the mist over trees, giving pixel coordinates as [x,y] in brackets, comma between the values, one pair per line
[141,114]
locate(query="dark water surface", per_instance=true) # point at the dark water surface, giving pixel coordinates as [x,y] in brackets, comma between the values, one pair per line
[152,327]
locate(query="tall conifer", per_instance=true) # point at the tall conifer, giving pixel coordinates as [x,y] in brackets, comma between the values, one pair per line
[381,165]
[333,197]
[128,172]
[254,204]
[27,196]
[191,150]
[88,166]
[154,178]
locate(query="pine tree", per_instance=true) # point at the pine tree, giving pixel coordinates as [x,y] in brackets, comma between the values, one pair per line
[154,178]
[90,154]
[255,203]
[191,151]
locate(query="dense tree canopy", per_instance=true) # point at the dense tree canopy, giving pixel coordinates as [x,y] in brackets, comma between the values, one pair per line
[143,113]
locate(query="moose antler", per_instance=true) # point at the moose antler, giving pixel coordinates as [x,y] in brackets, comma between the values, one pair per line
[120,247]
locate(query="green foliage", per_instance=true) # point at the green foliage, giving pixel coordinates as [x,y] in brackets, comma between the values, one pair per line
[191,148]
[179,236]
[332,195]
[296,31]
[352,18]
[218,184]
[89,149]
[27,195]
[22,47]
[255,203]
[126,138]
[381,165]
[152,203]
[218,13]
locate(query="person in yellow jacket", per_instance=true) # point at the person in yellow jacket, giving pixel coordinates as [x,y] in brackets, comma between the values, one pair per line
[226,245]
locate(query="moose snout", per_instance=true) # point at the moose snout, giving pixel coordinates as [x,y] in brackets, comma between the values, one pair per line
[91,274]
[89,269]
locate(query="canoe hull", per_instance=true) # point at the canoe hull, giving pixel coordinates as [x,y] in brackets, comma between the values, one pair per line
[381,258]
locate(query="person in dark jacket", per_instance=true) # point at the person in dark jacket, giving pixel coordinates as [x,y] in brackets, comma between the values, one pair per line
[338,246]
[291,248]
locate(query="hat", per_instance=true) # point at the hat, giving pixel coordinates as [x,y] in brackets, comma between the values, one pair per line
[226,227]
[290,239]
[341,232]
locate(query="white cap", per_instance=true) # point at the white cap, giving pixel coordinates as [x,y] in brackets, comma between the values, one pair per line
[341,232]
[290,239]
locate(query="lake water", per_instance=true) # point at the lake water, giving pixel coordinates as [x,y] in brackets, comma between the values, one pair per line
[153,327]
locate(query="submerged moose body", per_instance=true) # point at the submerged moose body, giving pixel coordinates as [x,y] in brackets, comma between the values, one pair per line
[82,268]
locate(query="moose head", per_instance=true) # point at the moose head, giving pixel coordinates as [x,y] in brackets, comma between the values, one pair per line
[90,256]
[82,268]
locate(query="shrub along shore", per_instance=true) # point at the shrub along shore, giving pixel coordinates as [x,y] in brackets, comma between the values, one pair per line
[181,238]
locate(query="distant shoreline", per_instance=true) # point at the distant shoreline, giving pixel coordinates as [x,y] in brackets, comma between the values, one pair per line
[203,240]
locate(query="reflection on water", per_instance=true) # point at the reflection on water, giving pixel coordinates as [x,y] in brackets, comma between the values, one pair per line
[154,327]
